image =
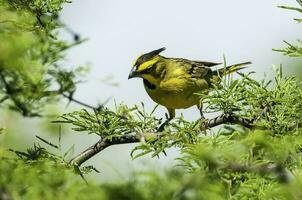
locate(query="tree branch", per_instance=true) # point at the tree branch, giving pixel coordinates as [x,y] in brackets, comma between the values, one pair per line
[135,138]
[224,118]
[101,145]
[71,99]
[283,174]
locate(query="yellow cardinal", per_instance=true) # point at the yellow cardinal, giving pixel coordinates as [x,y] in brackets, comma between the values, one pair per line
[174,82]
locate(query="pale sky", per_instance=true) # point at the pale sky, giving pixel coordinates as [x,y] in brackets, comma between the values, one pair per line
[120,30]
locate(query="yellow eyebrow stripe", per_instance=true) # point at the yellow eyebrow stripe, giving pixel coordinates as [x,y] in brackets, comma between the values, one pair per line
[148,64]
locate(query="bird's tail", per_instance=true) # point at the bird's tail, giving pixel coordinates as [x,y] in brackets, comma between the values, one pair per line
[232,68]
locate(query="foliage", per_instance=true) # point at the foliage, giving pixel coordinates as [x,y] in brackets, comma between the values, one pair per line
[36,179]
[214,173]
[277,109]
[236,158]
[291,49]
[108,124]
[261,161]
[42,176]
[30,73]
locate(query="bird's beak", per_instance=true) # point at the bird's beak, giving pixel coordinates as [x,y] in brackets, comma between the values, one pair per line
[133,73]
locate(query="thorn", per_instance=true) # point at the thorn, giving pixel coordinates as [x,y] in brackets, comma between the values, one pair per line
[76,37]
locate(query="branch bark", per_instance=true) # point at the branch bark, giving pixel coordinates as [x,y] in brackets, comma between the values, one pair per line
[4,195]
[101,145]
[135,138]
[283,174]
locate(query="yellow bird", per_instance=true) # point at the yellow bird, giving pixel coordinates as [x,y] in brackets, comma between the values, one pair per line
[174,82]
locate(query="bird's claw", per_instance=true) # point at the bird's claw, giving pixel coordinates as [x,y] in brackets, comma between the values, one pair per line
[162,126]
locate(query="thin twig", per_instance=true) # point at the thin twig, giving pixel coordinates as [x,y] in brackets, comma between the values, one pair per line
[47,142]
[11,93]
[70,98]
[299,2]
[41,23]
[4,99]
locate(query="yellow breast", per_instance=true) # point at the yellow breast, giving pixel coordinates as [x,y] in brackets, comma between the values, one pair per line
[177,93]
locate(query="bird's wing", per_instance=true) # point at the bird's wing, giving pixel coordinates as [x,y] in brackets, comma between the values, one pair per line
[196,62]
[205,63]
[195,69]
[198,70]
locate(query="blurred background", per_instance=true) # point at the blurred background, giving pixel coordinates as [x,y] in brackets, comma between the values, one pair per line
[118,31]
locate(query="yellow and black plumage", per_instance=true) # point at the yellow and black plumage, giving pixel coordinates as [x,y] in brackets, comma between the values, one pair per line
[174,82]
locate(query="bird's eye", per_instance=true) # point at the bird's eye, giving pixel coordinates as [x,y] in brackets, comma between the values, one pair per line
[149,69]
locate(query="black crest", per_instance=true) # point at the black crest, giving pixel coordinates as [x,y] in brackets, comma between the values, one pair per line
[147,56]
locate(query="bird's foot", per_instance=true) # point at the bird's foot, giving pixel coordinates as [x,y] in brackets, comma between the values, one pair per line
[161,127]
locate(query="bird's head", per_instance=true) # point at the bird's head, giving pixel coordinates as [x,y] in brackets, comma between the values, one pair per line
[145,66]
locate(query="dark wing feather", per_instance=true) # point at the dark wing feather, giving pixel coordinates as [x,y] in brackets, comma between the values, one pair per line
[196,62]
[205,63]
[198,70]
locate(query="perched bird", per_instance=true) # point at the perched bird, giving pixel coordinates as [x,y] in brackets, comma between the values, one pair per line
[174,82]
